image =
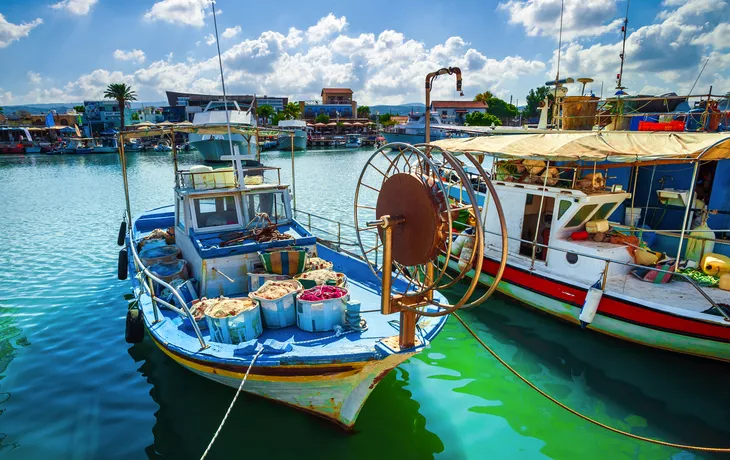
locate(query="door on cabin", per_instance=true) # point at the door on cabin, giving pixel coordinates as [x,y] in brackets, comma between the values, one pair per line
[536,224]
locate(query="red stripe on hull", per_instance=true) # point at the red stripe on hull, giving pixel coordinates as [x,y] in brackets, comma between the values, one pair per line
[613,307]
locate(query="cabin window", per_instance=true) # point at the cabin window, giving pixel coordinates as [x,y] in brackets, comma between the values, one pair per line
[180,214]
[271,204]
[536,223]
[563,206]
[604,211]
[216,211]
[581,215]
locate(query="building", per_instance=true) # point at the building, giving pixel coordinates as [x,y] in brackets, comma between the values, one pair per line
[454,112]
[102,115]
[336,96]
[194,103]
[28,119]
[336,103]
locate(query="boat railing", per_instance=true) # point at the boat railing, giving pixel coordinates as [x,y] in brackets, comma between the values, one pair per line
[334,230]
[609,261]
[219,178]
[146,279]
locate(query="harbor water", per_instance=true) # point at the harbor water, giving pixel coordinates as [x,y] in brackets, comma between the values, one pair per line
[71,388]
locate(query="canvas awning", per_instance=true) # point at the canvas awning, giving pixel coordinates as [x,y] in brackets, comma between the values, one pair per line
[615,146]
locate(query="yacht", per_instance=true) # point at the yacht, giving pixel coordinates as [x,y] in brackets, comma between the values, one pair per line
[413,131]
[106,145]
[214,146]
[299,128]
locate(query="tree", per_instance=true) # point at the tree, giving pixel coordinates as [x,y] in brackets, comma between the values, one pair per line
[79,108]
[384,118]
[484,97]
[135,116]
[122,93]
[291,111]
[266,112]
[501,109]
[482,119]
[363,111]
[535,99]
[322,118]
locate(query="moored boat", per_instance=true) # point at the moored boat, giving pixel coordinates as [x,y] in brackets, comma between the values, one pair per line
[413,131]
[295,132]
[106,145]
[353,141]
[213,147]
[163,146]
[79,145]
[567,260]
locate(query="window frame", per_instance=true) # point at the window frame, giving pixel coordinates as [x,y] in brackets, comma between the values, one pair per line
[194,215]
[286,201]
[180,206]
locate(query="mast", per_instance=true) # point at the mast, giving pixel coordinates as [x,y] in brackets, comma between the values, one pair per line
[236,159]
[624,30]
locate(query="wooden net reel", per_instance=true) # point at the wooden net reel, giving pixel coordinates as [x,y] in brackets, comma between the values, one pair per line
[418,192]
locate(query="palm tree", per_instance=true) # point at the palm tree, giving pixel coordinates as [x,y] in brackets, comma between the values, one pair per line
[484,97]
[266,112]
[291,111]
[122,93]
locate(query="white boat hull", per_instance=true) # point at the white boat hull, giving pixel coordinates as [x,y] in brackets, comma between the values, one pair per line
[300,142]
[213,149]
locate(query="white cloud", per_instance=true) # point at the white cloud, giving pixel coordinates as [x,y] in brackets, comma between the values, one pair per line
[134,55]
[325,27]
[716,38]
[6,97]
[10,32]
[186,12]
[231,32]
[581,18]
[77,7]
[34,77]
[387,67]
[210,39]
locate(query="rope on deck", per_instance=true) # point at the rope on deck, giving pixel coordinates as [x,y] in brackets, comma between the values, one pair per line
[578,414]
[225,417]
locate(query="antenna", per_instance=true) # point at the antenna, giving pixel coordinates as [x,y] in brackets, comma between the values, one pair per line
[624,29]
[557,72]
[236,159]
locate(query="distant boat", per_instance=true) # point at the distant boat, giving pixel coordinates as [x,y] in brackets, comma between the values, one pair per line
[79,145]
[106,145]
[299,128]
[214,146]
[353,141]
[413,131]
[134,145]
[163,146]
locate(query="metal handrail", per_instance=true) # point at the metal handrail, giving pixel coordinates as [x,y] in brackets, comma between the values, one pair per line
[141,268]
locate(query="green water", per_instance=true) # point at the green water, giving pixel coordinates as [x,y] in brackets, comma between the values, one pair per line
[71,388]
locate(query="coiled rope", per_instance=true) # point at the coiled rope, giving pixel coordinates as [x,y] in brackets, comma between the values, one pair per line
[578,414]
[225,417]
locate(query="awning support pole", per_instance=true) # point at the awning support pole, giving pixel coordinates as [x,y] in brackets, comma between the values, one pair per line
[539,217]
[690,204]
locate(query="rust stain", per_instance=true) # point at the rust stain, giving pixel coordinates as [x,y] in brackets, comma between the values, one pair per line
[380,377]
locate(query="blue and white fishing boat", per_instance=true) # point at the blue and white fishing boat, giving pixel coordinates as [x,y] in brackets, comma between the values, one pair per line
[299,139]
[79,145]
[213,147]
[413,131]
[225,224]
[106,145]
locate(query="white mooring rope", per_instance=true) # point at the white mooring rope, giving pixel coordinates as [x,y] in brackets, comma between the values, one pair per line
[225,417]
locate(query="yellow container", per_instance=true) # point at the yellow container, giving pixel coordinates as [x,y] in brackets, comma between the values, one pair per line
[597,226]
[646,257]
[725,282]
[715,264]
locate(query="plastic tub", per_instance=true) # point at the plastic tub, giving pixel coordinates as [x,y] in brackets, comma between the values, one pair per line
[168,271]
[280,312]
[159,254]
[321,315]
[256,280]
[340,279]
[242,327]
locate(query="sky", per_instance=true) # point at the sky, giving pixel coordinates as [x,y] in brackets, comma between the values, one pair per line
[70,50]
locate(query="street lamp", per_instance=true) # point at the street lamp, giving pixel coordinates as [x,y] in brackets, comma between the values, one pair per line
[429,82]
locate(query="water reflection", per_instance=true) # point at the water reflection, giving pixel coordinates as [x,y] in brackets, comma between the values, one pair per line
[10,340]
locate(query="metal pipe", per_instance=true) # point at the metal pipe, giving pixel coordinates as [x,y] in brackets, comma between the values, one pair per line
[293,178]
[429,81]
[385,306]
[123,161]
[651,185]
[539,216]
[690,203]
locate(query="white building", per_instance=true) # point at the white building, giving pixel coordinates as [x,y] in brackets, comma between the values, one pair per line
[454,112]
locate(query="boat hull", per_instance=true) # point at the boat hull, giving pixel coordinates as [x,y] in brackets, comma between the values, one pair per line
[621,318]
[212,150]
[337,394]
[285,142]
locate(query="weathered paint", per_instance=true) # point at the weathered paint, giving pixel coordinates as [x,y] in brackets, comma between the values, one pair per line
[610,324]
[338,397]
